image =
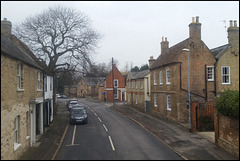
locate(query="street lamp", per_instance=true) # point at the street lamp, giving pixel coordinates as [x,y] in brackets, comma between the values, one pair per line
[189,101]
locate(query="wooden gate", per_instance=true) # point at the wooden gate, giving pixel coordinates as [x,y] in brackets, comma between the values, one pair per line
[199,112]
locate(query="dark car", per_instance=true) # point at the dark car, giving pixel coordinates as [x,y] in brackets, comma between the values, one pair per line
[78,115]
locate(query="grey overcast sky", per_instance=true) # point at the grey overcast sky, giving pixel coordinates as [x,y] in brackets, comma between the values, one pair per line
[132,30]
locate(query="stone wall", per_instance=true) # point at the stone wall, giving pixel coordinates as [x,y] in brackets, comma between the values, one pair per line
[16,103]
[227,133]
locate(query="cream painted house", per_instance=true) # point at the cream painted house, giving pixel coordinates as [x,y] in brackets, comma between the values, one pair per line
[138,89]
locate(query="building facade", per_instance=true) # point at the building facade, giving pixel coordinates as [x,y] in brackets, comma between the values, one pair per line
[89,87]
[21,97]
[138,89]
[115,86]
[169,75]
[227,65]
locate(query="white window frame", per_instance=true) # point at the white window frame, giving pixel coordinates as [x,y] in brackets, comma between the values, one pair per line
[45,84]
[155,100]
[115,95]
[16,132]
[141,84]
[38,80]
[131,84]
[168,76]
[210,74]
[19,75]
[154,78]
[160,78]
[169,102]
[136,86]
[115,80]
[51,83]
[225,75]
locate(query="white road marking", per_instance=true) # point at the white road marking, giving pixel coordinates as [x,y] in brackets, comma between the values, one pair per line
[99,119]
[95,114]
[74,131]
[111,142]
[105,128]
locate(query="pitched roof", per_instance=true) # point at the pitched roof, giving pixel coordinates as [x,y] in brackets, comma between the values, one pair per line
[10,49]
[171,55]
[138,75]
[92,81]
[219,51]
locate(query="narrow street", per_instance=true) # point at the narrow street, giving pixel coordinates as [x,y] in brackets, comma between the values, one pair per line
[110,135]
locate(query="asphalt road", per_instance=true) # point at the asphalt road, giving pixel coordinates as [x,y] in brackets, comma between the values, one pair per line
[108,135]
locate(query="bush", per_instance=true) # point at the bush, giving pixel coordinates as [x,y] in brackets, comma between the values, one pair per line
[228,103]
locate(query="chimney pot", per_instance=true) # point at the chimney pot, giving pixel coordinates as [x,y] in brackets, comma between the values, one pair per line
[230,23]
[192,19]
[165,38]
[197,19]
[235,23]
[162,38]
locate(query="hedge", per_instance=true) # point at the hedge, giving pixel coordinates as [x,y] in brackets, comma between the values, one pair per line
[228,103]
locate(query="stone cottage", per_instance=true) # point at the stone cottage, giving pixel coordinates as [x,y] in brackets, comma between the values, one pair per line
[21,97]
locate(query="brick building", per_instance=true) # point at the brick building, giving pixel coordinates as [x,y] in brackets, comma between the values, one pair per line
[21,97]
[115,77]
[169,75]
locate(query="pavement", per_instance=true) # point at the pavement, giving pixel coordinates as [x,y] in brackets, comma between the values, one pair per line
[188,145]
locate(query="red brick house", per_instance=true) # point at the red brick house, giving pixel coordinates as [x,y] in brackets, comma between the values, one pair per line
[169,76]
[115,77]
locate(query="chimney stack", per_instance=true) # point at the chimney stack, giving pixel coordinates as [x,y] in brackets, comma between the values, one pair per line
[164,45]
[151,61]
[195,29]
[233,34]
[6,27]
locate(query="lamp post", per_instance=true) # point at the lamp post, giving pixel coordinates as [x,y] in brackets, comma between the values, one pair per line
[189,100]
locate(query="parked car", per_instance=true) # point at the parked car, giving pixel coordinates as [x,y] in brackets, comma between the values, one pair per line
[68,101]
[78,115]
[72,103]
[79,105]
[63,96]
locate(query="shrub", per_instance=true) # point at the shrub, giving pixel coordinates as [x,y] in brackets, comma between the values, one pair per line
[228,103]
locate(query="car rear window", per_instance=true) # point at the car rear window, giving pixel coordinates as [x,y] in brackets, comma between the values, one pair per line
[74,102]
[79,111]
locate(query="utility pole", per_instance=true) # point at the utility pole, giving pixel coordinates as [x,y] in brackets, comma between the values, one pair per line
[113,80]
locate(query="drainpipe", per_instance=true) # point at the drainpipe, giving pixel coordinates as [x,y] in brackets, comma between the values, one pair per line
[215,82]
[206,89]
[44,112]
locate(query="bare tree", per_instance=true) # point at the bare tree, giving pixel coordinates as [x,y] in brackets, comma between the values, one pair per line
[61,37]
